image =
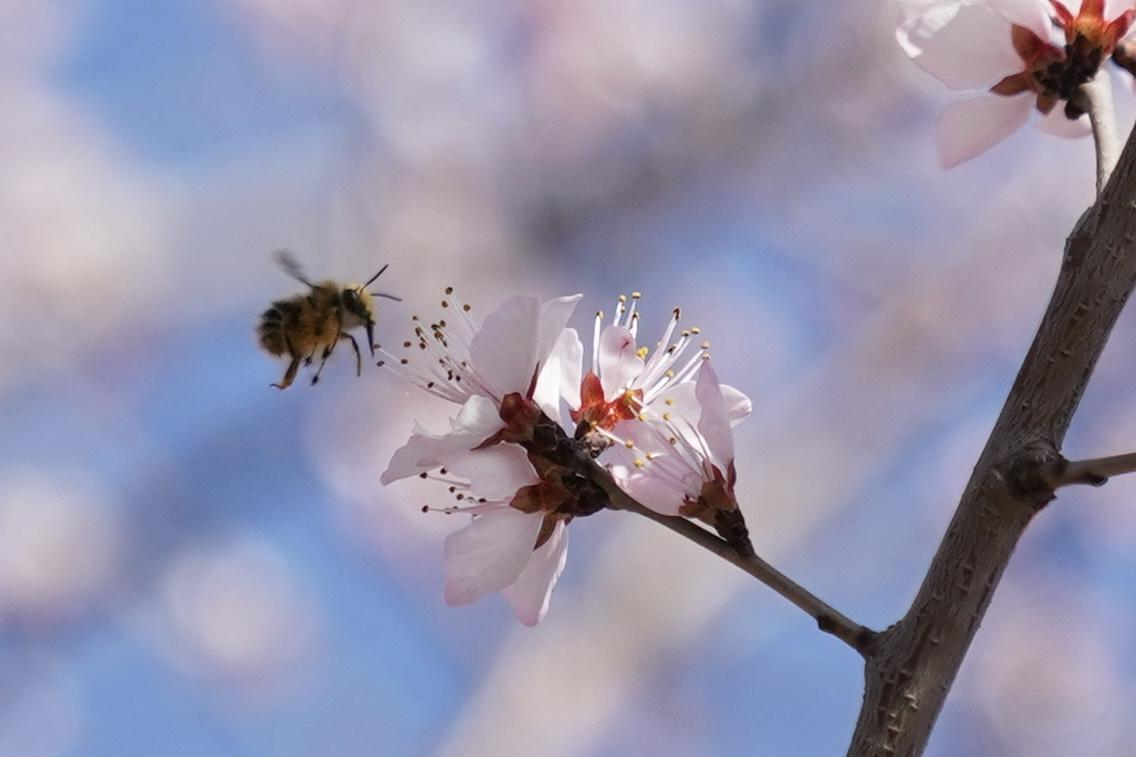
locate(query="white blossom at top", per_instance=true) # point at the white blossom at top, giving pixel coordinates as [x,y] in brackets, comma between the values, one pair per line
[1025,55]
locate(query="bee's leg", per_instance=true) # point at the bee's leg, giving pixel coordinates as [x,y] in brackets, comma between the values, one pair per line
[326,354]
[358,355]
[290,374]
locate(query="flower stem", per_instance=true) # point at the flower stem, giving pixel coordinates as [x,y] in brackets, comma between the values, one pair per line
[1097,94]
[1094,472]
[827,618]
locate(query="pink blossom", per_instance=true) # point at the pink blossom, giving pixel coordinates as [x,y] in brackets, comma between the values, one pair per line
[625,378]
[479,366]
[1009,48]
[512,545]
[678,457]
[504,372]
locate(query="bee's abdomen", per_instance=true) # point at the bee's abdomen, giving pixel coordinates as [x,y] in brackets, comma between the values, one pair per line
[273,325]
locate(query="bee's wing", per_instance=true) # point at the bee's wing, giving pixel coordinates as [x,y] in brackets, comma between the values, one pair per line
[287,261]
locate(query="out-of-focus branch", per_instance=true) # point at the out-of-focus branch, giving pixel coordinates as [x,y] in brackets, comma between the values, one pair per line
[828,619]
[1093,472]
[1097,102]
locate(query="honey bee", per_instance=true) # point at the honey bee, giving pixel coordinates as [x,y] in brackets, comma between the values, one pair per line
[316,321]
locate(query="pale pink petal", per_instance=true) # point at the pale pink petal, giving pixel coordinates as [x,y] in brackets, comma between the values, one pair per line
[476,421]
[489,554]
[971,127]
[1057,125]
[618,362]
[529,595]
[662,494]
[414,457]
[479,416]
[571,353]
[1034,15]
[554,315]
[503,351]
[1113,8]
[714,422]
[495,472]
[662,483]
[738,405]
[964,46]
[680,400]
[560,375]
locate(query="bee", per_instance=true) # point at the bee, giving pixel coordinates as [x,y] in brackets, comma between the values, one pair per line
[317,320]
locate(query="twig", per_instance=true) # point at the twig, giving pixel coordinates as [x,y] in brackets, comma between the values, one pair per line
[827,618]
[1094,472]
[1097,101]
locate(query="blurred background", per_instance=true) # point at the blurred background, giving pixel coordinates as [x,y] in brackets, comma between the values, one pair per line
[192,563]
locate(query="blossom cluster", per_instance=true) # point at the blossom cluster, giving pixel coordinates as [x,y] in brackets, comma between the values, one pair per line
[656,418]
[1019,56]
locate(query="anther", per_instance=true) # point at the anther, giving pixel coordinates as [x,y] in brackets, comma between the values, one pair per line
[449,290]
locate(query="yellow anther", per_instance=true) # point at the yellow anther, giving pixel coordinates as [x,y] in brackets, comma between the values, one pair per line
[641,353]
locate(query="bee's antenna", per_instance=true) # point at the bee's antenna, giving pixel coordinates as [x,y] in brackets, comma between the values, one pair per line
[388,296]
[377,275]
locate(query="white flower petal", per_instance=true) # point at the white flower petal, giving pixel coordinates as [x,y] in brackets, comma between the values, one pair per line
[489,554]
[714,422]
[476,421]
[554,315]
[661,493]
[682,402]
[529,595]
[1113,8]
[962,45]
[478,417]
[738,404]
[560,375]
[504,351]
[1034,15]
[495,472]
[571,353]
[406,460]
[1057,125]
[618,363]
[971,127]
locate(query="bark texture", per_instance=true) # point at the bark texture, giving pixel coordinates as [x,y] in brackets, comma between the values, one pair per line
[910,666]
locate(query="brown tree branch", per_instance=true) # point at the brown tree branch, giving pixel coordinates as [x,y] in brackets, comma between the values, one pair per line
[828,619]
[911,667]
[1094,472]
